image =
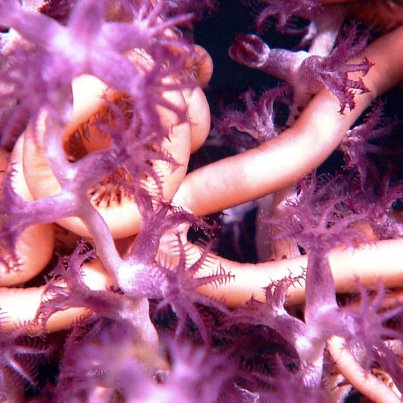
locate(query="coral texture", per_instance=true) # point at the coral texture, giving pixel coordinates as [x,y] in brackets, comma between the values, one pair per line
[173,234]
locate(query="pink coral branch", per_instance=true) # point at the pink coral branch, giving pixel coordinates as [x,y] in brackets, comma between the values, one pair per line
[128,144]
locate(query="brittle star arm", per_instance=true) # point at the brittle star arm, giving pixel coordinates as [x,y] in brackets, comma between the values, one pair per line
[369,264]
[298,150]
